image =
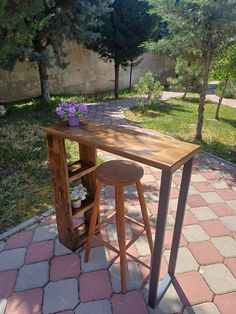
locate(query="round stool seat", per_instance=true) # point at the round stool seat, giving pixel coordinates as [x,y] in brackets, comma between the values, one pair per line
[119,172]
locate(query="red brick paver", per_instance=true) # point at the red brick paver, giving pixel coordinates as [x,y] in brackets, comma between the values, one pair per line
[196,201]
[7,283]
[131,303]
[226,303]
[21,239]
[26,302]
[205,253]
[94,286]
[214,228]
[222,209]
[194,287]
[39,251]
[66,266]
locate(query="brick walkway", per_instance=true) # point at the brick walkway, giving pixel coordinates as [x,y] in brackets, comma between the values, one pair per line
[39,275]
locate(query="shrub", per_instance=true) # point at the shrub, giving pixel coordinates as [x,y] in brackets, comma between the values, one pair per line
[230,91]
[149,88]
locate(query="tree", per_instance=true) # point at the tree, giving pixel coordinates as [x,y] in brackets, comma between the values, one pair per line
[224,69]
[197,31]
[188,76]
[124,30]
[35,30]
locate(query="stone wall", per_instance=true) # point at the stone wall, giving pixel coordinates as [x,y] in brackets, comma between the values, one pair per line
[85,74]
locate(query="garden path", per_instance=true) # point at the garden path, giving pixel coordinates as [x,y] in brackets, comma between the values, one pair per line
[39,275]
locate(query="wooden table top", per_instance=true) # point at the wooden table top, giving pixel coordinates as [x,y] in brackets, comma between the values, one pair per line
[158,151]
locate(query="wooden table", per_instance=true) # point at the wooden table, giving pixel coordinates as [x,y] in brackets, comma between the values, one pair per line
[158,151]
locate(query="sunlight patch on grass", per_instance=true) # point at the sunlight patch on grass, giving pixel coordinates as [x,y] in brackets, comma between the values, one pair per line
[178,118]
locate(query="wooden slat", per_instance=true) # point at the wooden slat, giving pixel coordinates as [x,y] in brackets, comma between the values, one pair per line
[86,205]
[88,155]
[154,150]
[79,169]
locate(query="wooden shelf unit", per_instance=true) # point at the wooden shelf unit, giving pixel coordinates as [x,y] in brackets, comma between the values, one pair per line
[72,233]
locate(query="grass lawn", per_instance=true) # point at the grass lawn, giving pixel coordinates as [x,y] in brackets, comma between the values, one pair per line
[178,119]
[25,184]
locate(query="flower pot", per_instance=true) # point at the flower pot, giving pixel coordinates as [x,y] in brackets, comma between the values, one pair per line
[76,204]
[73,121]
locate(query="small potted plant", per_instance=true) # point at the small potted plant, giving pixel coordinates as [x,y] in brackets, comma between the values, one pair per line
[72,111]
[78,194]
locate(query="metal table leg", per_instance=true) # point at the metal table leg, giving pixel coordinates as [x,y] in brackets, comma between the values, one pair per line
[183,194]
[155,290]
[159,237]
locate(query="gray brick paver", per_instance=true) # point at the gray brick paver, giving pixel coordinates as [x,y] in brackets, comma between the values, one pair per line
[60,249]
[229,222]
[32,276]
[225,245]
[133,277]
[60,295]
[98,307]
[219,278]
[46,232]
[98,259]
[195,233]
[185,260]
[12,259]
[204,308]
[170,303]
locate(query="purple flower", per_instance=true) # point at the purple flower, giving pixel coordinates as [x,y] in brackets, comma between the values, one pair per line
[72,112]
[82,108]
[59,111]
[72,109]
[64,104]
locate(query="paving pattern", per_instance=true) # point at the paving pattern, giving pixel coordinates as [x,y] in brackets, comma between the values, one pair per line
[39,275]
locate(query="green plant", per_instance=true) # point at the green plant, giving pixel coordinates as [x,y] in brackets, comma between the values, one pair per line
[230,91]
[123,31]
[224,69]
[188,77]
[177,117]
[34,31]
[197,30]
[149,88]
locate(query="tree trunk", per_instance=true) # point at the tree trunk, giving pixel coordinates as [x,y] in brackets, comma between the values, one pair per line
[201,106]
[130,75]
[45,93]
[117,72]
[220,99]
[185,93]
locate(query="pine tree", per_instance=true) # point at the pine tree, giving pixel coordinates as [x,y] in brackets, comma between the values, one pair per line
[35,30]
[127,26]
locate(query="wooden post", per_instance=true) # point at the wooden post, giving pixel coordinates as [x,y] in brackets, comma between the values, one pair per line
[88,155]
[61,191]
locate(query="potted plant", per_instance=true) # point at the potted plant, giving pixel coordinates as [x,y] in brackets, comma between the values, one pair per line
[78,194]
[72,111]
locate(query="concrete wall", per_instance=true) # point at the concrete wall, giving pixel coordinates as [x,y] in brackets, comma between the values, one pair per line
[85,74]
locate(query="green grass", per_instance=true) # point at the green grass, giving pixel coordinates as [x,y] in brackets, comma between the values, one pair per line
[178,119]
[25,184]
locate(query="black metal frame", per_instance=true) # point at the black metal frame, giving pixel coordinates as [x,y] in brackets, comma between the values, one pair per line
[157,291]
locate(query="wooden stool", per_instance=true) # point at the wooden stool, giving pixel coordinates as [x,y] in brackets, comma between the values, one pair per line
[119,173]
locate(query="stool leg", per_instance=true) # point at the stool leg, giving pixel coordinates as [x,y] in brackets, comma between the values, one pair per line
[120,221]
[93,220]
[145,215]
